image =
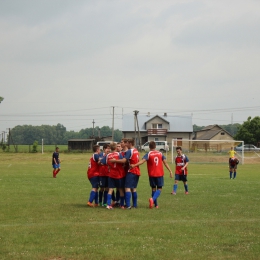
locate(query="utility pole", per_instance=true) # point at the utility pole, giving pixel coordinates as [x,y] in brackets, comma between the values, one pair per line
[3,133]
[232,124]
[136,124]
[113,124]
[93,128]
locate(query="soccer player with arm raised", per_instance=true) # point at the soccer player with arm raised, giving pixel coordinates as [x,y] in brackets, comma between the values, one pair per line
[155,161]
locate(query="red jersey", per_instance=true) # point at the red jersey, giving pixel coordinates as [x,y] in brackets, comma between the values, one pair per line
[155,163]
[132,155]
[180,161]
[115,170]
[93,166]
[103,168]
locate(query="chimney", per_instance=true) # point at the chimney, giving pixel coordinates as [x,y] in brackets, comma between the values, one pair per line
[165,114]
[148,114]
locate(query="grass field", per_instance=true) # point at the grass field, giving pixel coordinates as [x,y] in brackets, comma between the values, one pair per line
[46,218]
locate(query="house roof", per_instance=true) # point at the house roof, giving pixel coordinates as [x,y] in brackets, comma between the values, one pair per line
[176,123]
[207,133]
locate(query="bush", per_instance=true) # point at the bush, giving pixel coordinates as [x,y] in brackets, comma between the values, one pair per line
[35,146]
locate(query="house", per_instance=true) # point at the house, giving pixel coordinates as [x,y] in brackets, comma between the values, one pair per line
[157,127]
[80,144]
[213,132]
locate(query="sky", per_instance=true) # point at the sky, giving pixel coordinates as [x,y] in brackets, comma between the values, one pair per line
[77,62]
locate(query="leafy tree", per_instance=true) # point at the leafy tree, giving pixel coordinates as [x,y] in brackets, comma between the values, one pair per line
[1,99]
[197,128]
[231,128]
[35,146]
[249,131]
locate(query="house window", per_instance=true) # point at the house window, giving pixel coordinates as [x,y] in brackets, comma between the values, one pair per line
[222,133]
[156,126]
[156,139]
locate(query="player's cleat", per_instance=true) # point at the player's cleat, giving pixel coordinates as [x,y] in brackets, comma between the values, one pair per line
[90,204]
[186,192]
[109,207]
[100,204]
[151,203]
[104,205]
[173,193]
[128,207]
[157,207]
[96,205]
[122,207]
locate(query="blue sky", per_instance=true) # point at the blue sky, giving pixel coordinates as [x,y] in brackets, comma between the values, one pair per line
[70,62]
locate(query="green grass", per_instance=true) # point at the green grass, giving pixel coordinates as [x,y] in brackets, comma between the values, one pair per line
[46,218]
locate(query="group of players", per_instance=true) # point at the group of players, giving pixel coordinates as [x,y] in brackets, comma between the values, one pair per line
[114,174]
[117,167]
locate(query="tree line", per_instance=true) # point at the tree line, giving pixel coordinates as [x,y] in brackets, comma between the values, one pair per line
[249,132]
[58,134]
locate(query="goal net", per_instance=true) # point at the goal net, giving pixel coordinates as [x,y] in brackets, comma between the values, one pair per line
[208,151]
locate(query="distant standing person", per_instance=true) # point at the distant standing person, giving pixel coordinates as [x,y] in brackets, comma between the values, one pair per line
[231,152]
[181,170]
[233,162]
[155,161]
[55,162]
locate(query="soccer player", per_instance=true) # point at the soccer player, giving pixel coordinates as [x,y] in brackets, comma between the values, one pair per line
[118,147]
[181,170]
[231,152]
[103,177]
[116,178]
[233,162]
[55,162]
[93,176]
[132,176]
[155,161]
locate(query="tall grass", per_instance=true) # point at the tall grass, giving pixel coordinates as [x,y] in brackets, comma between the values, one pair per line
[46,218]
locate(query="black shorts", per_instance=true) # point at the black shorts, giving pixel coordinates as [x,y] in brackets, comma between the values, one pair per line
[181,177]
[156,182]
[103,181]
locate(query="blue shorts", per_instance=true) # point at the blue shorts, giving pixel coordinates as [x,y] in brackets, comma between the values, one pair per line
[181,177]
[56,166]
[94,181]
[116,183]
[103,181]
[156,182]
[131,180]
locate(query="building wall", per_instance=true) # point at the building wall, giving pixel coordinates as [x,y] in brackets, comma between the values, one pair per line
[167,138]
[222,137]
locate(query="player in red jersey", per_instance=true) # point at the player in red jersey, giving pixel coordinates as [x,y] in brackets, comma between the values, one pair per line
[103,178]
[132,176]
[93,176]
[233,162]
[181,170]
[116,178]
[155,161]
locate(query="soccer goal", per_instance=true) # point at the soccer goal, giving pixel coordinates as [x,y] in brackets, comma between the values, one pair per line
[208,151]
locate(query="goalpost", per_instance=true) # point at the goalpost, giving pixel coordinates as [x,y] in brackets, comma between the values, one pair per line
[208,151]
